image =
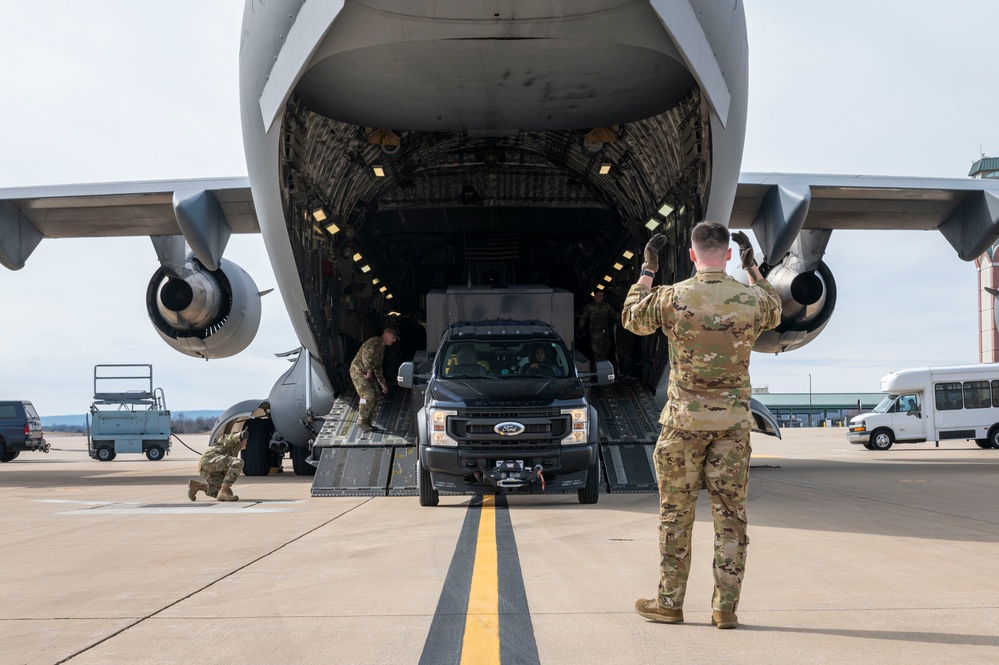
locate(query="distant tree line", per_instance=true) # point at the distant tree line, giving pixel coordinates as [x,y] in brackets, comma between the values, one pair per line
[179,424]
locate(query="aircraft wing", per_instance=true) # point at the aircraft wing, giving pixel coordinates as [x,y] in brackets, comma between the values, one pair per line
[152,208]
[779,205]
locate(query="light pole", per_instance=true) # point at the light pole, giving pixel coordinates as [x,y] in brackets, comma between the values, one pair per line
[809,399]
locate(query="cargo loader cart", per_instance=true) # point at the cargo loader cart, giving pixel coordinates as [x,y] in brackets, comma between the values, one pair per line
[128,415]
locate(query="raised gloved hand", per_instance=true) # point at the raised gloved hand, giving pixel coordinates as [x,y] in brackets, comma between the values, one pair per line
[746,254]
[652,249]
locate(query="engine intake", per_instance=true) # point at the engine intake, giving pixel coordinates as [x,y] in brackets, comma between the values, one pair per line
[808,300]
[208,314]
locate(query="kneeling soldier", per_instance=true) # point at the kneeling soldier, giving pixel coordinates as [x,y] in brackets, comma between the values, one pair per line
[220,466]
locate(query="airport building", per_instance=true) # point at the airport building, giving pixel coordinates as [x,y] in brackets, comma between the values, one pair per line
[817,409]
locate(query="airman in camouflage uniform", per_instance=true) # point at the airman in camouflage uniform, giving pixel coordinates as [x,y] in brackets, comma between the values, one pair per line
[366,373]
[711,322]
[598,319]
[220,466]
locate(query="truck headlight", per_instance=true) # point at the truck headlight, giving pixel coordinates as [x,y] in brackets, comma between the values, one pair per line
[438,428]
[858,427]
[580,426]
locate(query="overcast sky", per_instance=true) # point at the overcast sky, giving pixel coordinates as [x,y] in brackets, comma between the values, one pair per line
[123,91]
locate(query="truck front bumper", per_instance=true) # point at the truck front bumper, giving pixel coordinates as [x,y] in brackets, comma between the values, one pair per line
[467,471]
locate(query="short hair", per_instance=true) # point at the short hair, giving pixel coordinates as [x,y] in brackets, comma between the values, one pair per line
[710,238]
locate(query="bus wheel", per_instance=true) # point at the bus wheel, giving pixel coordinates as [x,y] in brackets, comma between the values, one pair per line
[993,440]
[868,446]
[882,439]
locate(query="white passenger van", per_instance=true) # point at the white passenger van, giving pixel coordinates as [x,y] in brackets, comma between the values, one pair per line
[933,404]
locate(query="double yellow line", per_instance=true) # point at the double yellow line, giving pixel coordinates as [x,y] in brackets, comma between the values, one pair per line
[481,645]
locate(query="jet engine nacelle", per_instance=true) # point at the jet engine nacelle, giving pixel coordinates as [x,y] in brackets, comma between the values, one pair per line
[207,314]
[808,299]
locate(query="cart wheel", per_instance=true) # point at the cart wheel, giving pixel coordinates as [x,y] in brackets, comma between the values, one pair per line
[105,453]
[154,453]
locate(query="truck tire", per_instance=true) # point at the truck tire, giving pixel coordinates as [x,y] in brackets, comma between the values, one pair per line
[299,461]
[105,453]
[428,495]
[8,455]
[154,453]
[591,492]
[882,439]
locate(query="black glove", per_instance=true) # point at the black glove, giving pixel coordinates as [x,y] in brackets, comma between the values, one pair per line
[652,249]
[745,250]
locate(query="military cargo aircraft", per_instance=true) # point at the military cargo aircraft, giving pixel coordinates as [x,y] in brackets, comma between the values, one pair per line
[397,147]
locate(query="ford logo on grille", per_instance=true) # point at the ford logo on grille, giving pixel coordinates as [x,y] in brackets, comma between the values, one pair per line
[509,429]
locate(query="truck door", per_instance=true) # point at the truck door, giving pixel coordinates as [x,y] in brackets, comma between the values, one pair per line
[907,418]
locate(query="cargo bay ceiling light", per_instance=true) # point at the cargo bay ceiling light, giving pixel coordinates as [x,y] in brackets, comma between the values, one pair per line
[319,214]
[652,224]
[378,171]
[627,254]
[375,281]
[332,228]
[365,268]
[605,168]
[666,210]
[357,257]
[618,266]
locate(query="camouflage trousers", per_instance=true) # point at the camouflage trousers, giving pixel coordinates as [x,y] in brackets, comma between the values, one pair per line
[600,343]
[220,471]
[370,395]
[720,460]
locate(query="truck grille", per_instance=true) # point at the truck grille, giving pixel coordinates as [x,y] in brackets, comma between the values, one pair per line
[543,428]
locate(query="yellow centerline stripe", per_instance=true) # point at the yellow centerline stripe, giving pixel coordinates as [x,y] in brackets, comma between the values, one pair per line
[481,644]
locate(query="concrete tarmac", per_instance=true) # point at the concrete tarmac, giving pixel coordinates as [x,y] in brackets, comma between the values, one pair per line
[856,556]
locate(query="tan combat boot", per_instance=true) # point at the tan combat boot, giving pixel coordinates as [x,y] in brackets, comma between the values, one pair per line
[225,493]
[194,487]
[724,619]
[650,609]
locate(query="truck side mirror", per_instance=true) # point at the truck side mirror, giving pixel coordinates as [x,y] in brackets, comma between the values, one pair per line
[605,373]
[405,377]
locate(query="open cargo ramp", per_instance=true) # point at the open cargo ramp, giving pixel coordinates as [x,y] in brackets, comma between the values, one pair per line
[356,463]
[628,426]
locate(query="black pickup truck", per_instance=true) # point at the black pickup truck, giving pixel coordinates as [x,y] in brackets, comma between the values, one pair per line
[20,429]
[504,409]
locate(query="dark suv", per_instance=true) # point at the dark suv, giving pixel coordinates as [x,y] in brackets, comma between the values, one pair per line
[20,429]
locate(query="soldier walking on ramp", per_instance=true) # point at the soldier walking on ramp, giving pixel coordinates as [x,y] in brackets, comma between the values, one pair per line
[712,322]
[598,320]
[367,365]
[220,466]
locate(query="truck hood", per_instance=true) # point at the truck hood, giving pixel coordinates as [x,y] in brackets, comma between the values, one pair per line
[534,391]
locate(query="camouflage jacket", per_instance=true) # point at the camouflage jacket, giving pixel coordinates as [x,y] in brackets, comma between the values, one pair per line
[227,446]
[369,358]
[712,322]
[598,318]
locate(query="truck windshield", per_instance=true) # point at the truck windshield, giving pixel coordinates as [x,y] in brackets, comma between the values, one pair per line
[884,404]
[498,358]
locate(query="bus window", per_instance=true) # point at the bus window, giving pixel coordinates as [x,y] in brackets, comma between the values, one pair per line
[948,396]
[995,393]
[977,395]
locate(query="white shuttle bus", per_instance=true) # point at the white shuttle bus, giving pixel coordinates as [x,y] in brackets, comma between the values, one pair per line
[933,404]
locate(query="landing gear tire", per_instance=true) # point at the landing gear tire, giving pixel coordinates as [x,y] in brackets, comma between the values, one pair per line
[428,495]
[258,457]
[591,492]
[300,461]
[154,453]
[882,440]
[105,454]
